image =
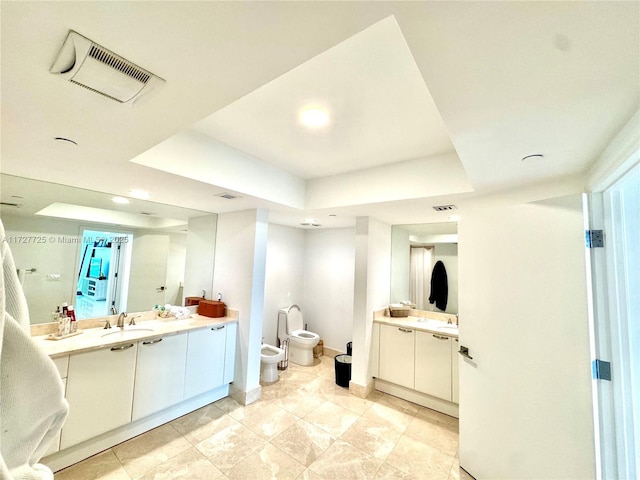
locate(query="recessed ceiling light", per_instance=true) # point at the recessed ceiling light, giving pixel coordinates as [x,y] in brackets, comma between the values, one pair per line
[120,200]
[535,156]
[139,194]
[314,118]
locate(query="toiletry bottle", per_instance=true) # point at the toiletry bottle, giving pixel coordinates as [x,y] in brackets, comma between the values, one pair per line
[66,325]
[57,318]
[73,326]
[65,319]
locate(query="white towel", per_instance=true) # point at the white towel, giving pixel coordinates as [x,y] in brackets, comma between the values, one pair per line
[32,404]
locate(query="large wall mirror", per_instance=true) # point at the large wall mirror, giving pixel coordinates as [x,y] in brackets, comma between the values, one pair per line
[415,250]
[78,246]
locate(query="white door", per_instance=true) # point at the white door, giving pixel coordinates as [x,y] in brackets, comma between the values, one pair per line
[99,392]
[616,279]
[148,272]
[397,355]
[205,360]
[525,397]
[160,370]
[433,364]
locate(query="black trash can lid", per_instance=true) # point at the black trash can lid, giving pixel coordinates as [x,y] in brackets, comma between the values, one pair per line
[343,358]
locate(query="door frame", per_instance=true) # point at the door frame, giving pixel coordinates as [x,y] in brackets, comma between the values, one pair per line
[602,288]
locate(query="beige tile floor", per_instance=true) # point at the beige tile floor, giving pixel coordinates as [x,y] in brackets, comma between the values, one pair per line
[304,427]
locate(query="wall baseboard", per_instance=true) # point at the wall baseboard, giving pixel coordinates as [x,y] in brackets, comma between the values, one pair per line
[245,397]
[330,352]
[437,404]
[361,391]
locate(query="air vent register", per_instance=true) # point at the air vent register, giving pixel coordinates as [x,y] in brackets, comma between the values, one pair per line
[89,65]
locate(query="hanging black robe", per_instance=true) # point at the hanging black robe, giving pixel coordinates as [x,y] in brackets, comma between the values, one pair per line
[439,286]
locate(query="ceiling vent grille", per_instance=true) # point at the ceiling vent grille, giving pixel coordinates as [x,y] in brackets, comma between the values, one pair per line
[226,195]
[118,63]
[89,65]
[444,208]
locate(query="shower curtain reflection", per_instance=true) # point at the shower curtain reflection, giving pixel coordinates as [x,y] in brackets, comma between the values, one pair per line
[420,266]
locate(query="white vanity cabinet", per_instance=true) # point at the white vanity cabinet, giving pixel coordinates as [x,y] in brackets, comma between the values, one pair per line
[397,355]
[62,364]
[433,364]
[119,391]
[160,374]
[231,330]
[205,360]
[455,358]
[416,362]
[99,392]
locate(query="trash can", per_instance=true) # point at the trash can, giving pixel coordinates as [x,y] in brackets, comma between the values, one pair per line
[349,347]
[343,369]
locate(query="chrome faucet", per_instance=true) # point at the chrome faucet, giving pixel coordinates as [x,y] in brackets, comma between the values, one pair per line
[114,311]
[121,318]
[133,319]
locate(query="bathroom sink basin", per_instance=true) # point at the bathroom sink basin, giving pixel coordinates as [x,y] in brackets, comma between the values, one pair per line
[448,327]
[430,323]
[127,332]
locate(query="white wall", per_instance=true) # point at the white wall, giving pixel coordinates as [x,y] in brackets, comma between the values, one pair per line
[525,400]
[448,254]
[284,276]
[329,258]
[204,159]
[240,260]
[439,175]
[372,287]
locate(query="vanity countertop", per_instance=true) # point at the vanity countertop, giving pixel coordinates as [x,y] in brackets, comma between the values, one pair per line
[97,338]
[420,323]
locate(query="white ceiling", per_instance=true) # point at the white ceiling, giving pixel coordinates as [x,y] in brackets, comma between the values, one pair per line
[380,110]
[444,95]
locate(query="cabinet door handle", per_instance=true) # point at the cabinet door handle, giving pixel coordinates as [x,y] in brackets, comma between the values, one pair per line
[151,342]
[440,337]
[218,328]
[123,347]
[405,330]
[464,351]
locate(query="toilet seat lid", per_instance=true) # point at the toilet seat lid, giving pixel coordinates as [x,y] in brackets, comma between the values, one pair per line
[294,320]
[270,350]
[304,334]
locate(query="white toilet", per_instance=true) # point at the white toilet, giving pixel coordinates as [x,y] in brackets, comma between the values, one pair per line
[301,342]
[269,358]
